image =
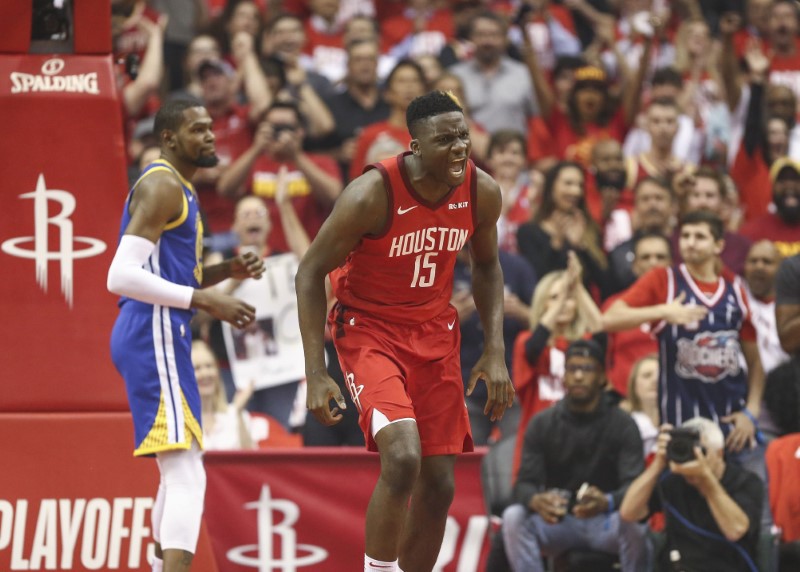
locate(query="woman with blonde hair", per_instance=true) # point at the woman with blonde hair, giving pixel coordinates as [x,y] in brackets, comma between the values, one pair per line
[562,311]
[642,400]
[226,426]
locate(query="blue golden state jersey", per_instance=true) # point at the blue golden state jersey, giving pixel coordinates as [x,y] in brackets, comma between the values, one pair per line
[151,345]
[702,365]
[177,257]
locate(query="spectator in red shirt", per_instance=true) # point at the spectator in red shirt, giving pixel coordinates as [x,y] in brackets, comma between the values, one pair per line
[589,114]
[783,226]
[422,27]
[653,211]
[232,123]
[325,44]
[405,82]
[625,347]
[313,180]
[508,165]
[658,161]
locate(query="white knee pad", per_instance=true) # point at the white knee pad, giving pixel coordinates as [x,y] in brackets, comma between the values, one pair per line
[184,481]
[158,511]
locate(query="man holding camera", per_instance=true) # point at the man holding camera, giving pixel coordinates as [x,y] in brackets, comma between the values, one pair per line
[314,181]
[712,508]
[578,459]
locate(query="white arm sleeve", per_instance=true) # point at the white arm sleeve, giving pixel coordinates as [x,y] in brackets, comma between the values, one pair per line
[127,276]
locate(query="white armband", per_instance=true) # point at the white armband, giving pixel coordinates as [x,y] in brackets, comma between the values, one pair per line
[127,276]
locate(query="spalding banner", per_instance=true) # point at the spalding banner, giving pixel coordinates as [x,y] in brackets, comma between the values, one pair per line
[303,510]
[63,181]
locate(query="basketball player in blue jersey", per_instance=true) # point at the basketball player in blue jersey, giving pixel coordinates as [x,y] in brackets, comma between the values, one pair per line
[700,315]
[158,272]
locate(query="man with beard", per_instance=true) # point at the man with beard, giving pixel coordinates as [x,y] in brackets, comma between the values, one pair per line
[233,121]
[314,180]
[578,459]
[783,226]
[608,199]
[652,213]
[498,89]
[158,272]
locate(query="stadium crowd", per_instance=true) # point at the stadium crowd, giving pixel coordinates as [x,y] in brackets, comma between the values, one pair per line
[648,155]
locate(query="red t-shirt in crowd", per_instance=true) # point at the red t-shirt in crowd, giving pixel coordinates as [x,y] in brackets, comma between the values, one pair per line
[652,289]
[434,35]
[538,386]
[572,146]
[785,70]
[783,466]
[751,175]
[369,136]
[772,227]
[625,348]
[312,213]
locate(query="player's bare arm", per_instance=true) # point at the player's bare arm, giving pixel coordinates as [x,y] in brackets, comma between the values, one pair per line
[621,316]
[487,291]
[360,210]
[247,265]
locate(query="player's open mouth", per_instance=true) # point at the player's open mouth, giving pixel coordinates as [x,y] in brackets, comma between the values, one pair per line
[457,167]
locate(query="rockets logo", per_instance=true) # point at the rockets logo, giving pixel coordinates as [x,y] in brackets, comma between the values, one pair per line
[709,357]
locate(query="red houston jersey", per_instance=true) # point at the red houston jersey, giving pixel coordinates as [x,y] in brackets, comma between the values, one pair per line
[405,275]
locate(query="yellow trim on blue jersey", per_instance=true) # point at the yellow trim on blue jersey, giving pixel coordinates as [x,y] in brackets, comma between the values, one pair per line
[157,439]
[180,220]
[164,165]
[171,167]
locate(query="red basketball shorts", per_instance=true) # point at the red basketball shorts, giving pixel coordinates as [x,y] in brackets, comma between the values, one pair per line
[405,372]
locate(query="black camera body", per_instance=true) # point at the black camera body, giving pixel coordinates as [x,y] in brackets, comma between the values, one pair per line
[681,445]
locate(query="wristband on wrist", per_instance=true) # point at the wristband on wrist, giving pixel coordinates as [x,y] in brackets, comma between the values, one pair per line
[751,417]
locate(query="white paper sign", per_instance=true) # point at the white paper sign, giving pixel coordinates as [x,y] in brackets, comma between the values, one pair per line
[270,351]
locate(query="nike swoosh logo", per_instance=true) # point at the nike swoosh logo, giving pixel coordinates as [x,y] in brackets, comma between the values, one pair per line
[402,211]
[451,324]
[387,566]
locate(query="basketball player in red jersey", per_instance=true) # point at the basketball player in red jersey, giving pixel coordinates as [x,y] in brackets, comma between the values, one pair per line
[390,245]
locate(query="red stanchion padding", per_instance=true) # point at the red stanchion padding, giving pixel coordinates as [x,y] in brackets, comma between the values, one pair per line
[16,19]
[63,181]
[72,496]
[92,26]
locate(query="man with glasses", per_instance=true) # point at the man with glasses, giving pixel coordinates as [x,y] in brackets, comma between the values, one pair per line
[314,181]
[578,459]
